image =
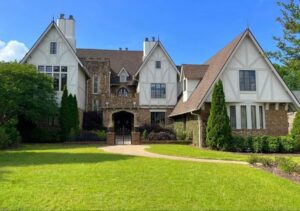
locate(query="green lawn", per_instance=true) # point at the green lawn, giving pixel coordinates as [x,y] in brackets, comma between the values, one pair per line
[194,152]
[44,177]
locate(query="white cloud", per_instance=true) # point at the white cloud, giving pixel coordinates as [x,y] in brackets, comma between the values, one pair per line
[12,50]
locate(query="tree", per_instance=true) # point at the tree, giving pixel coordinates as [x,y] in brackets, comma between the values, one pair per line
[218,131]
[295,132]
[25,92]
[68,117]
[64,115]
[288,53]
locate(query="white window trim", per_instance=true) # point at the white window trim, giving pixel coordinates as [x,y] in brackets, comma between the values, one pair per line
[249,118]
[122,73]
[60,89]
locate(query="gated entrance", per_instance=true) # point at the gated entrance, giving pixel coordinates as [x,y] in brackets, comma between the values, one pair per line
[123,124]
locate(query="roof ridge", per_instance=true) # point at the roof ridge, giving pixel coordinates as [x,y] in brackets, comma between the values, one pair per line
[100,49]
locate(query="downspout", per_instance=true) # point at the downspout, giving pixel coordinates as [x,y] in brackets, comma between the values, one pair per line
[199,127]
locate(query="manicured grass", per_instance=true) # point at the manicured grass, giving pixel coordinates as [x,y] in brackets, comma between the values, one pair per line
[195,152]
[43,177]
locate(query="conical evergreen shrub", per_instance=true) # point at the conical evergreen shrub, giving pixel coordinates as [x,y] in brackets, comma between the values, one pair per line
[218,131]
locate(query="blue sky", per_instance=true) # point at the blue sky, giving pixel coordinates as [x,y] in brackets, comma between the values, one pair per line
[191,30]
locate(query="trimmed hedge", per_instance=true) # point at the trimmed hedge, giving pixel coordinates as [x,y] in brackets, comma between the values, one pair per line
[263,144]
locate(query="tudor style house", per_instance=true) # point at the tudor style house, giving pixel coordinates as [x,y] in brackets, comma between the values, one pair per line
[133,88]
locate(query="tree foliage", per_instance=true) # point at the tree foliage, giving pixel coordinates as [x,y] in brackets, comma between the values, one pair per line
[295,132]
[218,131]
[24,92]
[68,115]
[288,53]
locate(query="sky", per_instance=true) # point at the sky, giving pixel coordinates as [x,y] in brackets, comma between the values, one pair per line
[190,30]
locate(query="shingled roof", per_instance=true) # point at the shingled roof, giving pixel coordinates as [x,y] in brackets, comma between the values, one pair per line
[130,60]
[215,65]
[194,71]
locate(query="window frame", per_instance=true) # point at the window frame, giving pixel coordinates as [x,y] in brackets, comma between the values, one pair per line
[233,119]
[120,93]
[247,80]
[96,82]
[155,115]
[158,64]
[158,90]
[53,48]
[62,74]
[244,127]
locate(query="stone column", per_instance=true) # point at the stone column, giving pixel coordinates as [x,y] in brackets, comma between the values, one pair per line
[110,138]
[135,138]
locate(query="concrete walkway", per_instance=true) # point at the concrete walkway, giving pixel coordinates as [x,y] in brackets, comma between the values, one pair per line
[139,150]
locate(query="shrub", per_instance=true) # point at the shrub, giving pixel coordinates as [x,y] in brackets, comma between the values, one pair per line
[273,144]
[4,139]
[287,144]
[181,135]
[295,132]
[265,161]
[161,136]
[218,131]
[13,135]
[238,144]
[92,120]
[145,135]
[253,159]
[44,135]
[249,144]
[101,135]
[286,164]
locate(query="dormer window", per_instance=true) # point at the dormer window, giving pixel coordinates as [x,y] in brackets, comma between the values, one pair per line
[123,75]
[53,47]
[157,64]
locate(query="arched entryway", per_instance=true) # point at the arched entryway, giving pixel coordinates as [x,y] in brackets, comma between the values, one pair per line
[123,125]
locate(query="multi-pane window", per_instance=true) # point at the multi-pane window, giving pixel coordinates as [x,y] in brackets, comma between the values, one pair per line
[123,77]
[253,116]
[232,113]
[158,90]
[53,47]
[261,117]
[158,118]
[95,84]
[157,64]
[123,92]
[59,74]
[247,80]
[243,117]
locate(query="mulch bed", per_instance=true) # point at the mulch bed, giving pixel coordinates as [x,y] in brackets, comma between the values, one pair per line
[276,171]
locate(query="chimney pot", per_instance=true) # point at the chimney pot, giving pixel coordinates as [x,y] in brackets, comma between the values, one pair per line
[120,49]
[153,39]
[61,16]
[71,17]
[126,49]
[146,39]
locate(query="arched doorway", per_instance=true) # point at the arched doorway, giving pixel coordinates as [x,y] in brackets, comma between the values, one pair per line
[123,125]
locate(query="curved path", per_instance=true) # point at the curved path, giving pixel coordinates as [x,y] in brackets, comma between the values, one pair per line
[139,150]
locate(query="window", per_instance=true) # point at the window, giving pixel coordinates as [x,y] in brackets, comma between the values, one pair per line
[123,92]
[247,80]
[232,113]
[243,117]
[157,64]
[95,84]
[261,117]
[95,105]
[41,68]
[253,116]
[53,47]
[123,77]
[157,118]
[58,73]
[158,90]
[184,84]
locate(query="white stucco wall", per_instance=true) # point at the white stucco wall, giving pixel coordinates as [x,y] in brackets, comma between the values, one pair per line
[268,87]
[41,56]
[149,74]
